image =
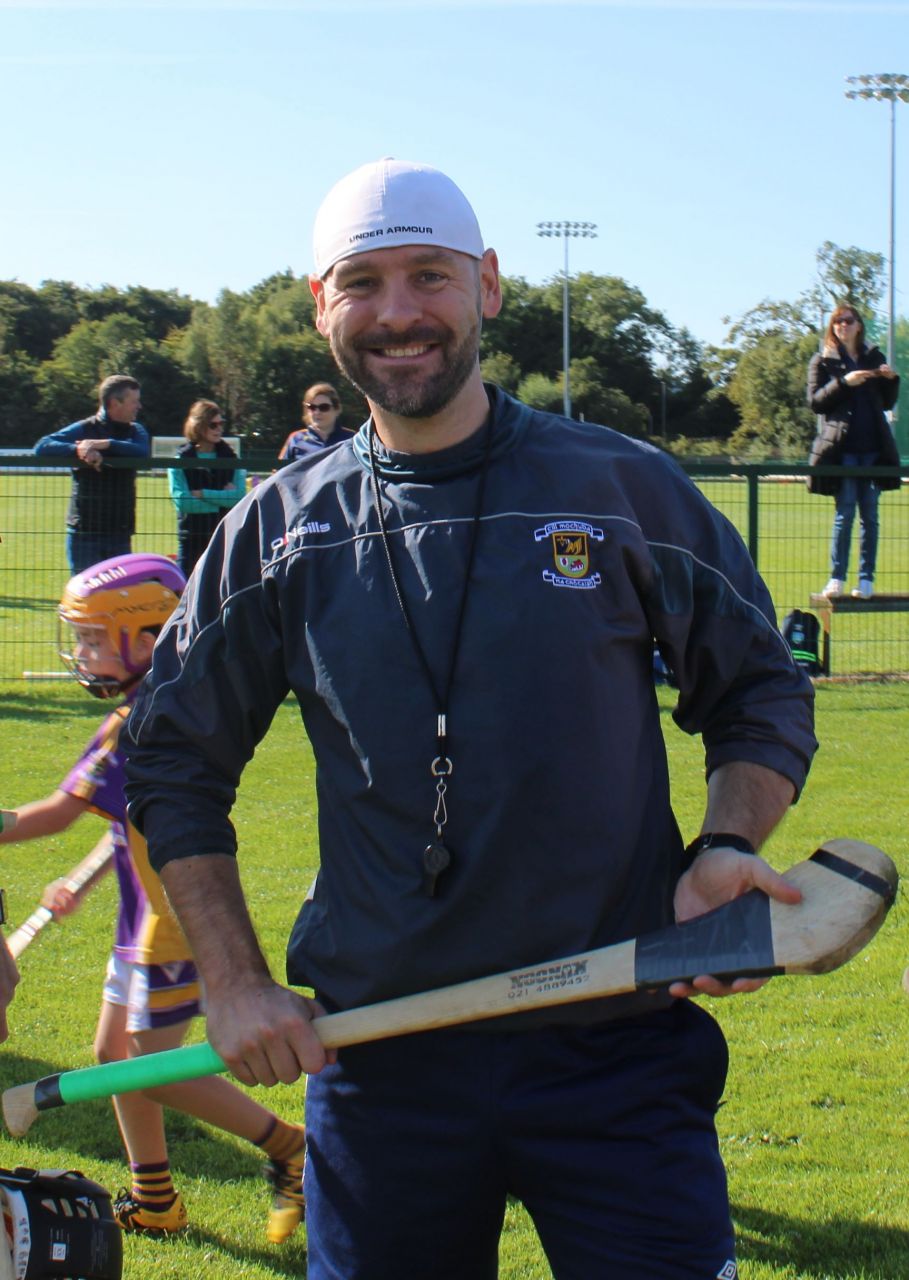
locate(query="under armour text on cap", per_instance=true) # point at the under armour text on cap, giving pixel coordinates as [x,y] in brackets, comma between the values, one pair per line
[390,203]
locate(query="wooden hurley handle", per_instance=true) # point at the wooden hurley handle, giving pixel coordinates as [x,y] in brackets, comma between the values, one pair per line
[847,889]
[82,878]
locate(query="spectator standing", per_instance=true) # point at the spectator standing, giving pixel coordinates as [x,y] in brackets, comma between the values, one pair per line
[201,493]
[850,385]
[321,429]
[101,519]
[464,599]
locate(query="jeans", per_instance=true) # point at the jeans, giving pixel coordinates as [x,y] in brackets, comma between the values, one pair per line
[861,492]
[85,549]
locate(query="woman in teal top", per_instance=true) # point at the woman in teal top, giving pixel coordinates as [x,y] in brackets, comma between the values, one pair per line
[201,493]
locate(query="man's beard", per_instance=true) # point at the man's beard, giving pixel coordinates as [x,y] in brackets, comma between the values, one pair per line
[410,394]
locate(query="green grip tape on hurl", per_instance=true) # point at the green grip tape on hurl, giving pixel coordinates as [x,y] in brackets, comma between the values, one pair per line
[148,1072]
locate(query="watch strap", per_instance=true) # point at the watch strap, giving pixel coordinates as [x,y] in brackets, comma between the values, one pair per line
[715,840]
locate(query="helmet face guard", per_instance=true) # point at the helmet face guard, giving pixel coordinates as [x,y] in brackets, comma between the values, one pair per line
[120,597]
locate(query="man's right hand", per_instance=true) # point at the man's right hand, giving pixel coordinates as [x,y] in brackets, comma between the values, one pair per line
[264,1033]
[9,977]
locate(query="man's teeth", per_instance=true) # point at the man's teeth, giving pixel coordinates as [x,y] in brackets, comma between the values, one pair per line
[398,353]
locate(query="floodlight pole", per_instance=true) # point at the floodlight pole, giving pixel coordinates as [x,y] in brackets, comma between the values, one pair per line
[566,231]
[886,87]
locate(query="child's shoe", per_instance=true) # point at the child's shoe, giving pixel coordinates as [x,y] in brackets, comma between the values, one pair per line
[288,1205]
[134,1216]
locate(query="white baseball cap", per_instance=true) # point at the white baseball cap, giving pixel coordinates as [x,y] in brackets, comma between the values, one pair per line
[389,203]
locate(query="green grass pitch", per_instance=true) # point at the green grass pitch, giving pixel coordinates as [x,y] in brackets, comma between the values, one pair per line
[814,1126]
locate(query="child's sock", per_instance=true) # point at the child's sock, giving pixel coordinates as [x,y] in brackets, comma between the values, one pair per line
[153,1185]
[282,1141]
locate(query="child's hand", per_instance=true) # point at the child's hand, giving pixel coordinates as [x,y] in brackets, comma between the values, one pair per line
[9,976]
[59,899]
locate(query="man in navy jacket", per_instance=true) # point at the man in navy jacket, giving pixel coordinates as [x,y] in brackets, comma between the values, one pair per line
[101,518]
[464,600]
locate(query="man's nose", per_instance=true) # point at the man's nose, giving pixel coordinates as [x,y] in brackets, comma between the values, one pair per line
[399,305]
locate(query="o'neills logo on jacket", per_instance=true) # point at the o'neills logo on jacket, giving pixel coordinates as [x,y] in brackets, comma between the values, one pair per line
[571,552]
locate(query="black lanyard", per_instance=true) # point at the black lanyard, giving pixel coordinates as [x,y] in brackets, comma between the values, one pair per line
[436,856]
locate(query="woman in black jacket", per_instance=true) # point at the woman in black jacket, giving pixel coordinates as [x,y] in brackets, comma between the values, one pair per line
[849,386]
[202,494]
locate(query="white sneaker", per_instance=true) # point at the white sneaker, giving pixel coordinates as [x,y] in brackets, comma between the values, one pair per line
[834,587]
[864,590]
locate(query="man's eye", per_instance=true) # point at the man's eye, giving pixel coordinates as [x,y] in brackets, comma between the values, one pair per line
[432,277]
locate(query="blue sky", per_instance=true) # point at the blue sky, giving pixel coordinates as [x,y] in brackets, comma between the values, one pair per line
[187,145]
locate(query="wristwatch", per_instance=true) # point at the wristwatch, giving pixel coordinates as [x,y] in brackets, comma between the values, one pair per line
[715,840]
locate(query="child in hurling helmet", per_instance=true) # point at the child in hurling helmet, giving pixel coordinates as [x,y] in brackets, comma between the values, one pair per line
[115,610]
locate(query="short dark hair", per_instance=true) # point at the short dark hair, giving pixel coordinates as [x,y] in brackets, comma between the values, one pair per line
[323,389]
[115,388]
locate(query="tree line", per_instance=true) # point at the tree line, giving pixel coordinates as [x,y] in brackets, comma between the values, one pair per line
[256,352]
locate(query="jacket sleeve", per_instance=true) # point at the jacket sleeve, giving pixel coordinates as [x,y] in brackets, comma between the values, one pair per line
[136,447]
[217,678]
[824,392]
[183,499]
[62,443]
[714,621]
[889,389]
[226,498]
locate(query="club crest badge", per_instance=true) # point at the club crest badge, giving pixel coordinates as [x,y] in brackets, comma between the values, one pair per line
[571,544]
[571,554]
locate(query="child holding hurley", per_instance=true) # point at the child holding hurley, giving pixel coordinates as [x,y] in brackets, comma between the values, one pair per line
[9,975]
[151,991]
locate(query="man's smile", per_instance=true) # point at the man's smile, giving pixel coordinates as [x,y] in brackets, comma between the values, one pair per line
[403,353]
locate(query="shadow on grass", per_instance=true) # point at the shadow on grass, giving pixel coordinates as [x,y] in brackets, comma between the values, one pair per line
[89,1129]
[26,705]
[39,604]
[288,1259]
[838,1249]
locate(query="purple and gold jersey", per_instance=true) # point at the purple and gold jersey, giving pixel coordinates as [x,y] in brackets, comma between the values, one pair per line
[147,931]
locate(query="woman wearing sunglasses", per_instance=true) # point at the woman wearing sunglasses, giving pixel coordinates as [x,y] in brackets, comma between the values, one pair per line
[321,410]
[850,385]
[201,493]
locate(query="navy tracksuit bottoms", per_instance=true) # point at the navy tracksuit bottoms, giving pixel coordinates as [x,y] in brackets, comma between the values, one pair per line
[605,1133]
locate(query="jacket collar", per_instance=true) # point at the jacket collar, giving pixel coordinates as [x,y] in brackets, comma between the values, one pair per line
[509,420]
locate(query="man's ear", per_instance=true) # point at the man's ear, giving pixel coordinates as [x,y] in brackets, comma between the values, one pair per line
[317,289]
[490,285]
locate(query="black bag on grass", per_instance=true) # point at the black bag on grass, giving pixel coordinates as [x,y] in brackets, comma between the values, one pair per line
[57,1223]
[802,633]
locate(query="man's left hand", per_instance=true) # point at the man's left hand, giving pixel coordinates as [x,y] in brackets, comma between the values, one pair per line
[715,877]
[89,452]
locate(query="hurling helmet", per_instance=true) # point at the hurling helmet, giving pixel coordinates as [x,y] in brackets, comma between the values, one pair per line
[123,596]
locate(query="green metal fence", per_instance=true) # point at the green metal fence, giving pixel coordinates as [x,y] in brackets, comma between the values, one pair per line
[786,529]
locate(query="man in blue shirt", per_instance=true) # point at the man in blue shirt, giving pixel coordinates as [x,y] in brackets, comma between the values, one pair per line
[102,509]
